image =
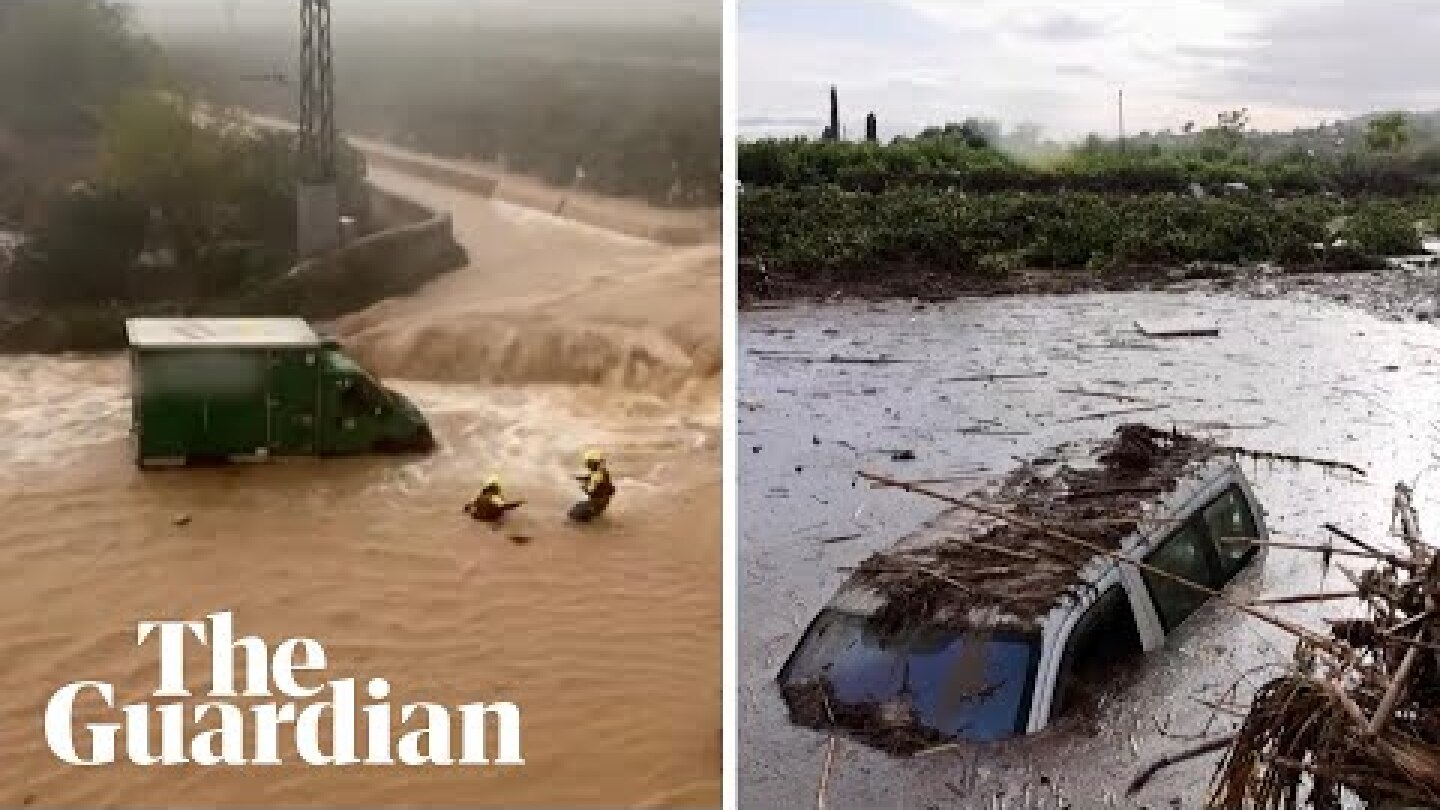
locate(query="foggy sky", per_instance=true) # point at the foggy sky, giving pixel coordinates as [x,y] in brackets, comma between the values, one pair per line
[165,15]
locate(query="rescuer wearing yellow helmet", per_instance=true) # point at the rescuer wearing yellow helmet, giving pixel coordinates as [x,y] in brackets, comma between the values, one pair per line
[490,505]
[598,488]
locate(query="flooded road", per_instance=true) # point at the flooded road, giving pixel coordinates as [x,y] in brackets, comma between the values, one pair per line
[607,637]
[1307,378]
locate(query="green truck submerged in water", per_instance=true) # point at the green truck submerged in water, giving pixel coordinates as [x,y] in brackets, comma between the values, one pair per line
[233,389]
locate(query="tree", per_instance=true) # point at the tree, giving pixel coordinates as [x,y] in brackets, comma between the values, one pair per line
[1388,133]
[1234,120]
[1229,130]
[84,251]
[1382,229]
[1026,136]
[832,131]
[62,63]
[155,148]
[216,188]
[977,133]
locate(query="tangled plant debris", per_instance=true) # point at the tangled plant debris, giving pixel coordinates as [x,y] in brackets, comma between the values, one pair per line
[1361,717]
[1021,570]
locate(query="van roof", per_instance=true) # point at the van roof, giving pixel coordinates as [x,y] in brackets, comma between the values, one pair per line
[962,569]
[216,333]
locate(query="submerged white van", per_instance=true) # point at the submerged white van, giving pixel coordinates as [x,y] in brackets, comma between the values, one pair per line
[971,629]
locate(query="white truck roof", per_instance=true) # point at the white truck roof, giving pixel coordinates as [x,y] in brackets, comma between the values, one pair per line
[220,333]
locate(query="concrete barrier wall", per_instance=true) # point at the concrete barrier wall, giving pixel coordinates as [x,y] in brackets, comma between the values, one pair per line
[418,246]
[388,210]
[473,181]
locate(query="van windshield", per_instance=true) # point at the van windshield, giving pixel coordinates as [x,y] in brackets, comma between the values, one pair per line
[973,685]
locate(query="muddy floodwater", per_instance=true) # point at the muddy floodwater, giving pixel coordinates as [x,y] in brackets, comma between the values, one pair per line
[972,386]
[608,637]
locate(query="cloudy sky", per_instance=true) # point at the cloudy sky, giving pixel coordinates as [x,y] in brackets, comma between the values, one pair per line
[915,62]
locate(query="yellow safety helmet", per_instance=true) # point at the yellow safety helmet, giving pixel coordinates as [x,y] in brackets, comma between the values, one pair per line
[493,482]
[593,456]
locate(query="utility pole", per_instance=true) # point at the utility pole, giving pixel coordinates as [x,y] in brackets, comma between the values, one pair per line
[1122,119]
[317,198]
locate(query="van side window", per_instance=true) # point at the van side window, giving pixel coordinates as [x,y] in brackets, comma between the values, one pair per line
[1097,652]
[1232,528]
[1186,554]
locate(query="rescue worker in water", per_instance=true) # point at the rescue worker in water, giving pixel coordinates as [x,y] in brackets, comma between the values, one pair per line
[598,488]
[490,505]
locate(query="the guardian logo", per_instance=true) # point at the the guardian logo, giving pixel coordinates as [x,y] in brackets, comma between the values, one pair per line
[322,724]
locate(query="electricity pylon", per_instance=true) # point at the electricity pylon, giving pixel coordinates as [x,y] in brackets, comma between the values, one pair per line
[318,199]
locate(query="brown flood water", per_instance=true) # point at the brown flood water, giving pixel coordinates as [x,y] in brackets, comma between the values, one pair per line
[557,337]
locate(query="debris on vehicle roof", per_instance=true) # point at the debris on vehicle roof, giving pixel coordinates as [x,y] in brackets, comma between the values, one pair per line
[1023,573]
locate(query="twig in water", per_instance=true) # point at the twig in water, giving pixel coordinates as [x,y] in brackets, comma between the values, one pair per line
[993,377]
[1107,414]
[1166,761]
[825,774]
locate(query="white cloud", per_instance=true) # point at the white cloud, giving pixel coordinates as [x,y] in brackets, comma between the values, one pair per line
[1060,66]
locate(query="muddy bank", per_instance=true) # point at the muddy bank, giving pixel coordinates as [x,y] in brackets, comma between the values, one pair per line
[972,386]
[761,286]
[608,637]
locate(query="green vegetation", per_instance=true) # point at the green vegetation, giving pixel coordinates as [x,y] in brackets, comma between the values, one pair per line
[182,208]
[958,163]
[972,203]
[815,232]
[80,253]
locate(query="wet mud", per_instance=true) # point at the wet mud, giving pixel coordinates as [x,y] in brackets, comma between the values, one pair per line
[556,337]
[958,394]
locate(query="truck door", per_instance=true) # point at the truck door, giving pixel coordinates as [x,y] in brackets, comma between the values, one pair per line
[294,402]
[354,423]
[203,404]
[233,387]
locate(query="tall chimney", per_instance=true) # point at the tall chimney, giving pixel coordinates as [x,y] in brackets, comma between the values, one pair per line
[834,114]
[872,129]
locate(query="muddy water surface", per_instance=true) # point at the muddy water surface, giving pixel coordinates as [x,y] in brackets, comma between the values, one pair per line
[607,637]
[1302,378]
